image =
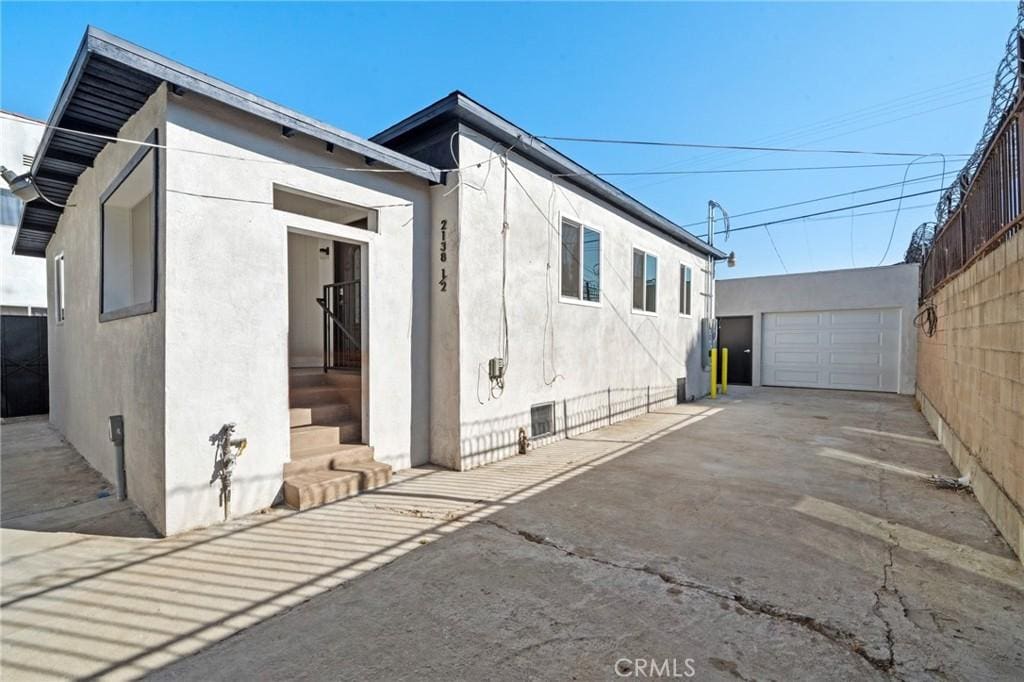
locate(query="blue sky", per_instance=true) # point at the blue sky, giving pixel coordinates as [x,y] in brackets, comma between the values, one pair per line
[874,76]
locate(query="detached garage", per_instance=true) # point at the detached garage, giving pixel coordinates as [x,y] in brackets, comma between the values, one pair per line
[839,329]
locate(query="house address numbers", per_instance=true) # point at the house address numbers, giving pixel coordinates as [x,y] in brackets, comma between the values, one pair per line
[443,282]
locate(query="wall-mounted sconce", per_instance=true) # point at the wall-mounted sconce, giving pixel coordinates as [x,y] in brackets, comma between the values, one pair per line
[325,251]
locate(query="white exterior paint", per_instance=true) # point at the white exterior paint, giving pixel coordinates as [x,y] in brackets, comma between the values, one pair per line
[109,368]
[308,271]
[22,279]
[216,348]
[878,302]
[843,349]
[227,312]
[566,352]
[234,276]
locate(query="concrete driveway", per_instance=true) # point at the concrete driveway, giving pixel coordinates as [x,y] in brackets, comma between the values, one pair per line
[776,534]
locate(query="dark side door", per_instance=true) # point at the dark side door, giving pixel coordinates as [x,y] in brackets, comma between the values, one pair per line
[737,334]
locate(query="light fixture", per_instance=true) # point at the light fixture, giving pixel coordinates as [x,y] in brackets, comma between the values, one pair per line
[22,185]
[731,260]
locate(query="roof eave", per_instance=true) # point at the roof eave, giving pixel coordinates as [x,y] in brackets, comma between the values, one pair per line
[100,43]
[465,109]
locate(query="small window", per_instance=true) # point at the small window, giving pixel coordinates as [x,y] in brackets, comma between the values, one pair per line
[58,288]
[542,420]
[581,262]
[129,215]
[685,289]
[645,281]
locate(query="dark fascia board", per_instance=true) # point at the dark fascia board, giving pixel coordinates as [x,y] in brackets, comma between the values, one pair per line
[460,107]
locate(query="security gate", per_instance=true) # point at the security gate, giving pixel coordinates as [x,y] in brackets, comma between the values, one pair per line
[24,379]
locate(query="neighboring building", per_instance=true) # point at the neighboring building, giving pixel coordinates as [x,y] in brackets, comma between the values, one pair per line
[211,274]
[22,280]
[843,329]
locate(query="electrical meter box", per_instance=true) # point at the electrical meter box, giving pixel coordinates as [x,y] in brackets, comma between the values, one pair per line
[708,339]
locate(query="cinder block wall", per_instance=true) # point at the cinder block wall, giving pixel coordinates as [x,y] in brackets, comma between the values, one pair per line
[970,378]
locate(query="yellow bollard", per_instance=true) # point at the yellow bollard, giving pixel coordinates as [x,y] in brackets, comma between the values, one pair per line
[725,371]
[714,373]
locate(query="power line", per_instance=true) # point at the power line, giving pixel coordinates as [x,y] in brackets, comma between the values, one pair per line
[896,217]
[826,197]
[776,249]
[831,210]
[737,170]
[694,145]
[954,88]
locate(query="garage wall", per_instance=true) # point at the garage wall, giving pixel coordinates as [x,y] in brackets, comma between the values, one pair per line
[891,286]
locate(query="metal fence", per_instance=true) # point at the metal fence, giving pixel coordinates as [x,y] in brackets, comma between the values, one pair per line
[984,205]
[991,208]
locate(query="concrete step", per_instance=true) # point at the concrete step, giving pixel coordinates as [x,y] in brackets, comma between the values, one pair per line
[304,378]
[314,488]
[317,435]
[325,413]
[345,380]
[309,396]
[371,474]
[327,457]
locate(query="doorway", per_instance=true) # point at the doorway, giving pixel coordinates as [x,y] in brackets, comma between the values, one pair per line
[343,321]
[737,334]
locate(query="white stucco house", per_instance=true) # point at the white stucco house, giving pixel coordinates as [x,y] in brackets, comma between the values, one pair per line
[22,280]
[850,329]
[432,295]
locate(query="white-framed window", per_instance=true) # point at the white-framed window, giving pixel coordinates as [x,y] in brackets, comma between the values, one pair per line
[58,288]
[685,290]
[645,281]
[128,237]
[581,262]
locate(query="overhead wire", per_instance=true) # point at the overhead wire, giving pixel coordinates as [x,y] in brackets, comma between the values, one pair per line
[695,145]
[831,210]
[826,197]
[892,233]
[716,171]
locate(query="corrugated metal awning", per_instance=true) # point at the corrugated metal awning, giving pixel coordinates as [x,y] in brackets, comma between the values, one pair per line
[109,80]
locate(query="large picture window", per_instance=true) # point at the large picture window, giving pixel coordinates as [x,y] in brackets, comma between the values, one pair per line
[581,262]
[645,281]
[129,228]
[685,290]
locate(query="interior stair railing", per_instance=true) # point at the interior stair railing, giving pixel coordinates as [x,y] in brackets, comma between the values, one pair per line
[342,333]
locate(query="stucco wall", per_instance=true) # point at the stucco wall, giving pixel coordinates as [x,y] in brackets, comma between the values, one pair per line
[308,271]
[569,353]
[227,309]
[445,398]
[116,367]
[891,286]
[971,379]
[22,279]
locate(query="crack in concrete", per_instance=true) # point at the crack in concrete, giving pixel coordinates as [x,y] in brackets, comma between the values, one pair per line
[756,606]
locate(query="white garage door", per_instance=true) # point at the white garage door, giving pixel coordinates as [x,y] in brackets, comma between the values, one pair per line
[847,349]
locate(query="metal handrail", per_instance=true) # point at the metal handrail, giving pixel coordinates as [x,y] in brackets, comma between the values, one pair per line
[337,322]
